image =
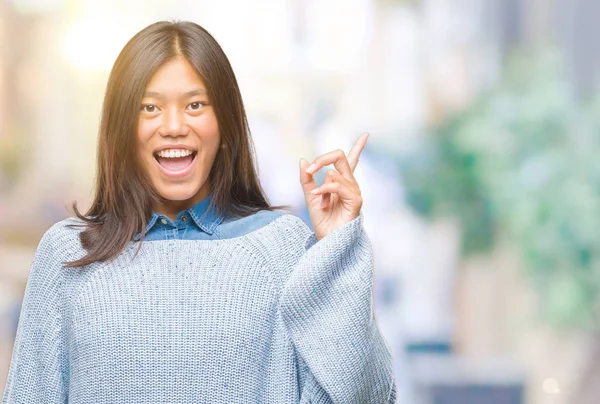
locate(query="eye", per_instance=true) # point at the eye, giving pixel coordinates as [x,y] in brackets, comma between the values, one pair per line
[196,105]
[149,108]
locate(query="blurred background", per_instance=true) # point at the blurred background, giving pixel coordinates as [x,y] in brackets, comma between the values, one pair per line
[480,179]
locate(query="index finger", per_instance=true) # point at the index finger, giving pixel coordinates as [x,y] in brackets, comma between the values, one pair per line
[358,147]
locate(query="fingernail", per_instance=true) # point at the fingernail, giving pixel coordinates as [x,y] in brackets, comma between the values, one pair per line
[315,191]
[311,168]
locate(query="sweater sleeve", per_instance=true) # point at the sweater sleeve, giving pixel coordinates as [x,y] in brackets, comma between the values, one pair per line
[327,308]
[38,368]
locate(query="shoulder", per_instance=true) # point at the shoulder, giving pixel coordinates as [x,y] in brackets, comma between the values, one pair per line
[263,221]
[283,233]
[62,238]
[59,244]
[292,224]
[278,238]
[267,219]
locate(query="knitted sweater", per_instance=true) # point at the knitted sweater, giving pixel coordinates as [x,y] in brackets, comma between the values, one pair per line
[273,316]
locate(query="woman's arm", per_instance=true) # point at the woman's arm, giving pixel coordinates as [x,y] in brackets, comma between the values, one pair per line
[38,370]
[327,308]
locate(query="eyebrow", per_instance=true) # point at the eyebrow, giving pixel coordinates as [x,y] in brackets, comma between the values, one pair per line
[153,94]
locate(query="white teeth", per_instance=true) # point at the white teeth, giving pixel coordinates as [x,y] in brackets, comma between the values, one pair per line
[171,153]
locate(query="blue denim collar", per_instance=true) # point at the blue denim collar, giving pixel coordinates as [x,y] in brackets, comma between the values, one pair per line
[206,219]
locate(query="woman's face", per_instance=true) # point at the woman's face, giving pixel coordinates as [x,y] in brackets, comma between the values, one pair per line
[178,136]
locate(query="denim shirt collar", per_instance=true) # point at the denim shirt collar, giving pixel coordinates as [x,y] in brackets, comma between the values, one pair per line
[207,220]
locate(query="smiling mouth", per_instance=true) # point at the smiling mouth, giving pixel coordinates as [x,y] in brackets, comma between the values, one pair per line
[175,164]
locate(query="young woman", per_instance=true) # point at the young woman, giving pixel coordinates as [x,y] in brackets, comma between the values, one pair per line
[181,284]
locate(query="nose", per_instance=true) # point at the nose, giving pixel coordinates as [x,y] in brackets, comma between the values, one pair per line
[173,123]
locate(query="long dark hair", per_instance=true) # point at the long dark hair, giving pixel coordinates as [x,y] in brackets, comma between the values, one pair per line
[124,196]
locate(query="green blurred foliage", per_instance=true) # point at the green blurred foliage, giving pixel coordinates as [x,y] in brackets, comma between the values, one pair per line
[522,163]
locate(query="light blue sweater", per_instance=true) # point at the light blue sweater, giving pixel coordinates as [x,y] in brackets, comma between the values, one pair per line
[273,316]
